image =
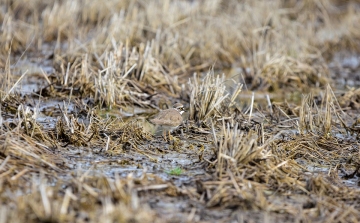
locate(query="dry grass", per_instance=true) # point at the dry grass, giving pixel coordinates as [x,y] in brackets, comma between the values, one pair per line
[287,162]
[207,98]
[97,198]
[290,36]
[282,166]
[34,158]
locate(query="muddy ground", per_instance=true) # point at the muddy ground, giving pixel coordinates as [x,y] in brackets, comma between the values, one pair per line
[270,132]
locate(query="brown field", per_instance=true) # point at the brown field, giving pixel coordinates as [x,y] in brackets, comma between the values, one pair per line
[270,132]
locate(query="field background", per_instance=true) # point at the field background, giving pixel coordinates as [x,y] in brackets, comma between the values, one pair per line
[271,132]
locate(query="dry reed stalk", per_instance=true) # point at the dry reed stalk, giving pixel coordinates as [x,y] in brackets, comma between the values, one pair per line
[320,119]
[235,148]
[208,98]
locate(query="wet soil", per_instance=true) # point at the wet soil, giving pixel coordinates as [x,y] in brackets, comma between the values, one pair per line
[176,199]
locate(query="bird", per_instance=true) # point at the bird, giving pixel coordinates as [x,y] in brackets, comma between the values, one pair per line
[169,119]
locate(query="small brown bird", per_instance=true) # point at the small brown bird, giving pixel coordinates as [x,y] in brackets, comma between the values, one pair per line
[169,119]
